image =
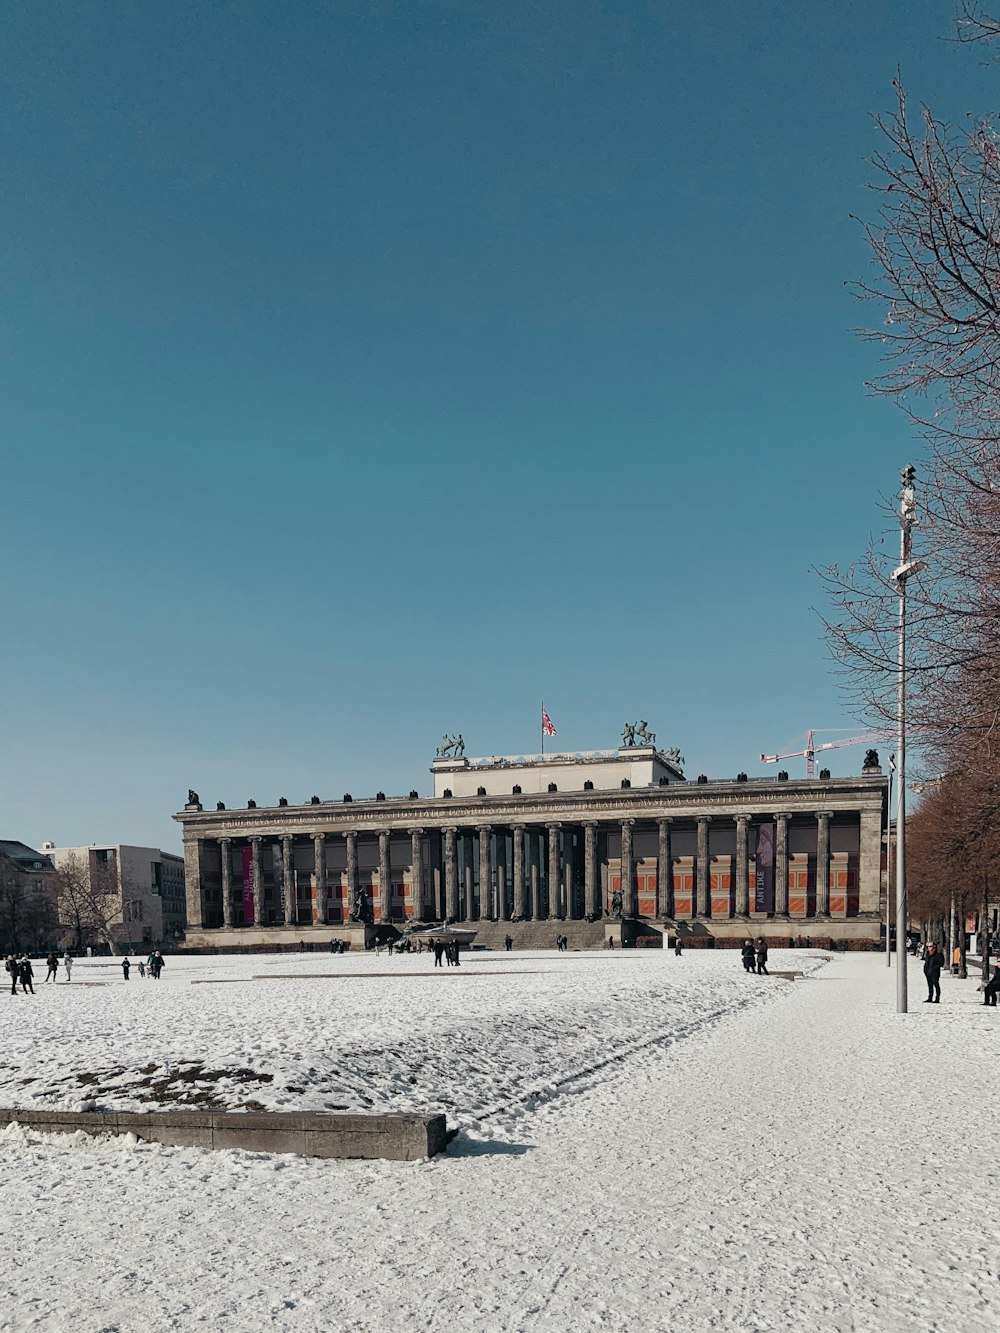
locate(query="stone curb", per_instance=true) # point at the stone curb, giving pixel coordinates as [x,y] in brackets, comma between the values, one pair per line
[397,1137]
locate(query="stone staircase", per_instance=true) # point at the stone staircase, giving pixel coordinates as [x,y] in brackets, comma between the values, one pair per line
[542,934]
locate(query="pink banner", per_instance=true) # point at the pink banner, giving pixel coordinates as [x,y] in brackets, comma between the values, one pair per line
[248,918]
[763,900]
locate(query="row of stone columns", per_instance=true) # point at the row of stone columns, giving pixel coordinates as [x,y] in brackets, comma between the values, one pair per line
[526,896]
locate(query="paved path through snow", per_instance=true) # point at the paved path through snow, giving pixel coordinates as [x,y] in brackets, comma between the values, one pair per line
[803,1164]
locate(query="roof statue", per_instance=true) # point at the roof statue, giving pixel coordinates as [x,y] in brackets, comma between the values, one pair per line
[637,733]
[453,745]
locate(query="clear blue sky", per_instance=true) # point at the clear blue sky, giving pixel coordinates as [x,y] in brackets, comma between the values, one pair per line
[373,369]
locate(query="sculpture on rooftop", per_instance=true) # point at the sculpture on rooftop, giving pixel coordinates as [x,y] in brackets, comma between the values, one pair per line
[193,797]
[451,745]
[637,733]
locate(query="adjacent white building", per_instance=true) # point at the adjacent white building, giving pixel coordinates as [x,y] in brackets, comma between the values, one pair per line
[149,883]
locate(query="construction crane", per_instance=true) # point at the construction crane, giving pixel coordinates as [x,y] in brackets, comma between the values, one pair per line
[812,749]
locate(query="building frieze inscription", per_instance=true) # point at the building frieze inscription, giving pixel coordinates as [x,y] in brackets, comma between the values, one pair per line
[468,814]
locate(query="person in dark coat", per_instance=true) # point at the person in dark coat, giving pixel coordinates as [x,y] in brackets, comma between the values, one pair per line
[12,968]
[26,972]
[932,972]
[125,967]
[52,964]
[438,951]
[762,957]
[749,956]
[156,963]
[678,947]
[508,943]
[991,988]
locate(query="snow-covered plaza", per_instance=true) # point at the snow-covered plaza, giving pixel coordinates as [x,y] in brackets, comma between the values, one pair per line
[645,1142]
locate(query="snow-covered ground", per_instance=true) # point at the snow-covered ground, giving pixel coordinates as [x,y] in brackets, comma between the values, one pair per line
[647,1143]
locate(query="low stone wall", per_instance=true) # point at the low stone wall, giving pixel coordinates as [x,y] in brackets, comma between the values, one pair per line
[400,1138]
[271,939]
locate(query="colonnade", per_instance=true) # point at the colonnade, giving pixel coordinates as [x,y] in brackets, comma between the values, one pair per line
[523,871]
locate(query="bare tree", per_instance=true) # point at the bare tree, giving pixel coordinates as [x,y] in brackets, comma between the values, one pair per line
[935,243]
[89,901]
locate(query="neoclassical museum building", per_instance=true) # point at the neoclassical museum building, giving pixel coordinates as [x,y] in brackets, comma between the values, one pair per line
[615,843]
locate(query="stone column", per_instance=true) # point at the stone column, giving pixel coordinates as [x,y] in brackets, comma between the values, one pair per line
[742,866]
[553,876]
[568,890]
[664,870]
[870,861]
[466,895]
[257,872]
[502,910]
[384,877]
[628,871]
[319,879]
[226,851]
[520,906]
[823,863]
[417,873]
[288,881]
[590,892]
[486,912]
[450,874]
[781,866]
[703,868]
[535,877]
[193,891]
[352,873]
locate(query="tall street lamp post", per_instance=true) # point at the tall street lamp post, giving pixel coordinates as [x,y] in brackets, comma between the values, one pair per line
[907,566]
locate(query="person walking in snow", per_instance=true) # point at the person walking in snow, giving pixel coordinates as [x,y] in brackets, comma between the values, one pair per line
[156,964]
[762,957]
[677,946]
[932,973]
[26,972]
[142,970]
[68,965]
[12,968]
[52,963]
[508,943]
[438,951]
[125,967]
[749,957]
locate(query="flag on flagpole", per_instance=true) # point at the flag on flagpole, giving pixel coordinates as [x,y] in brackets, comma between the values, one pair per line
[547,728]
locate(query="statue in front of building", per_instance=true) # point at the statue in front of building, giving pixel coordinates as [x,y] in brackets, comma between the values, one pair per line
[363,909]
[616,904]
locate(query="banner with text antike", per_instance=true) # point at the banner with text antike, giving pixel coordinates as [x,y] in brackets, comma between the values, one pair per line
[248,919]
[763,899]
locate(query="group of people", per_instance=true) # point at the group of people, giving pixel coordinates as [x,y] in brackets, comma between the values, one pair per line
[152,966]
[448,950]
[19,969]
[562,943]
[934,962]
[755,957]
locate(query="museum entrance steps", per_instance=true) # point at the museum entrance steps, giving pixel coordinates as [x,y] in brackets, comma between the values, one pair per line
[538,934]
